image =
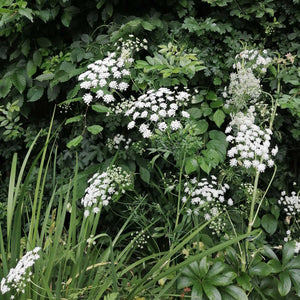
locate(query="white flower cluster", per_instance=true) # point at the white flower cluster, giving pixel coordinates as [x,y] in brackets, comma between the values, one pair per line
[251,144]
[130,45]
[140,239]
[208,199]
[104,77]
[291,203]
[244,87]
[255,59]
[297,247]
[105,187]
[18,276]
[117,141]
[158,109]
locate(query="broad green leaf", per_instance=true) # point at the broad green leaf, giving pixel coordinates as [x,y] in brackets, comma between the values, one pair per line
[95,129]
[44,77]
[26,12]
[223,279]
[35,93]
[284,284]
[203,267]
[275,266]
[147,26]
[73,119]
[37,58]
[185,282]
[30,68]
[295,276]
[191,165]
[100,108]
[211,292]
[197,292]
[52,92]
[288,252]
[260,269]
[18,81]
[211,96]
[244,281]
[5,86]
[216,269]
[145,174]
[219,117]
[204,165]
[201,126]
[74,142]
[195,113]
[294,263]
[44,42]
[269,223]
[25,47]
[236,292]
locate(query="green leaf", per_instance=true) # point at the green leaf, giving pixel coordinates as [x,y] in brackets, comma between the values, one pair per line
[260,269]
[26,12]
[74,142]
[294,263]
[219,117]
[223,279]
[204,165]
[44,42]
[95,129]
[284,284]
[236,292]
[25,47]
[295,276]
[147,26]
[100,108]
[18,81]
[191,165]
[203,267]
[35,93]
[112,296]
[52,92]
[66,18]
[145,174]
[73,119]
[37,58]
[5,86]
[211,292]
[44,77]
[269,223]
[244,281]
[211,96]
[216,269]
[275,266]
[288,252]
[217,81]
[197,292]
[30,68]
[195,113]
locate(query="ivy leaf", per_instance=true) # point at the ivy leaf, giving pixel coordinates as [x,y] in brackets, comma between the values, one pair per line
[219,117]
[35,93]
[74,142]
[18,81]
[95,129]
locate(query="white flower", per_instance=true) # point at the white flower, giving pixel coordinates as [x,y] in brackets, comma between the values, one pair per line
[131,125]
[185,114]
[175,125]
[87,98]
[162,126]
[154,117]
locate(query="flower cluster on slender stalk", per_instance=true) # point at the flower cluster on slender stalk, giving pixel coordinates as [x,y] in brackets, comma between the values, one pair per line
[207,198]
[20,274]
[105,187]
[158,110]
[290,203]
[104,77]
[118,141]
[250,143]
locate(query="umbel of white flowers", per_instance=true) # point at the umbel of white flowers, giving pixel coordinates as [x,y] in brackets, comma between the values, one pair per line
[105,187]
[250,143]
[158,110]
[18,276]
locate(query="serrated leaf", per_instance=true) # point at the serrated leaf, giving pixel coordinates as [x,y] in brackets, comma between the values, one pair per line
[44,77]
[5,86]
[195,113]
[26,12]
[236,292]
[35,93]
[284,284]
[75,142]
[269,223]
[219,117]
[73,119]
[30,68]
[37,58]
[18,81]
[100,108]
[95,129]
